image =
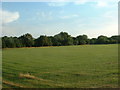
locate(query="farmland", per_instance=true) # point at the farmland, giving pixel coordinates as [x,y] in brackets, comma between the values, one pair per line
[84,66]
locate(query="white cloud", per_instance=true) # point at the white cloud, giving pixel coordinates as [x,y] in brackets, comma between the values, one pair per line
[43,16]
[56,4]
[80,1]
[69,16]
[104,25]
[102,4]
[112,15]
[98,3]
[57,0]
[108,30]
[7,17]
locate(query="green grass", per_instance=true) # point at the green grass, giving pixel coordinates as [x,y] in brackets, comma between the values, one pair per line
[85,66]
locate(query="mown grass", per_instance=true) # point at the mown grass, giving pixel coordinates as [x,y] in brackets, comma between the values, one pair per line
[85,66]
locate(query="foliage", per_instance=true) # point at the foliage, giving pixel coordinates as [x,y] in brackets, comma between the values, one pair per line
[82,39]
[43,41]
[27,40]
[61,39]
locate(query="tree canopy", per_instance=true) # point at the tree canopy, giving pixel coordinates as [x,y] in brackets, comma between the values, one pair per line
[61,39]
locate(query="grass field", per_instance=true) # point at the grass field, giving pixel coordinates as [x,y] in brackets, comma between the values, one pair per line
[85,66]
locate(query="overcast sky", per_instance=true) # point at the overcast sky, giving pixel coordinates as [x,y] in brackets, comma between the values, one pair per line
[90,17]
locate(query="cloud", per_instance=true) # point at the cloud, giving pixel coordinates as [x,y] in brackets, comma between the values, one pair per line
[107,24]
[80,2]
[98,3]
[69,16]
[102,4]
[8,17]
[56,4]
[111,15]
[107,30]
[43,16]
[95,29]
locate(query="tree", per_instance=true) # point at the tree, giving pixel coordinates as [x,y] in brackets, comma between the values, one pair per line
[18,43]
[63,39]
[8,42]
[102,40]
[3,42]
[114,39]
[75,41]
[27,40]
[0,42]
[93,41]
[82,39]
[43,41]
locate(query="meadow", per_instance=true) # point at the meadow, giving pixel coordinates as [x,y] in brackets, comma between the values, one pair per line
[84,66]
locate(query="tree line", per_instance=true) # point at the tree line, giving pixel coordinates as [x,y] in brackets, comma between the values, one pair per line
[61,39]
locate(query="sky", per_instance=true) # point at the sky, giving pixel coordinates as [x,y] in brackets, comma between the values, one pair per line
[78,17]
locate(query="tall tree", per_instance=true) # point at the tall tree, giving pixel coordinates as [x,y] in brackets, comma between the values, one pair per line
[93,41]
[114,39]
[27,40]
[75,41]
[82,39]
[63,39]
[102,40]
[18,43]
[8,42]
[43,41]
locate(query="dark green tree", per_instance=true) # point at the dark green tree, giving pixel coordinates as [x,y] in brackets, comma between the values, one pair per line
[43,41]
[63,39]
[18,43]
[27,40]
[82,39]
[93,41]
[75,41]
[8,42]
[114,39]
[102,40]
